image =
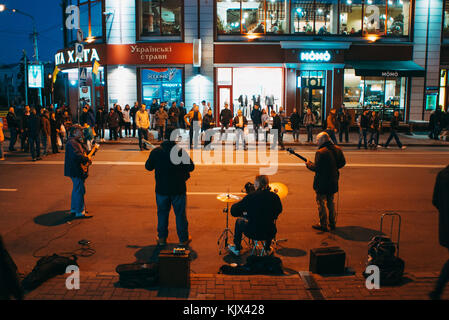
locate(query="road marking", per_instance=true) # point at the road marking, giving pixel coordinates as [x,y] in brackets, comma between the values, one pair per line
[8,190]
[242,164]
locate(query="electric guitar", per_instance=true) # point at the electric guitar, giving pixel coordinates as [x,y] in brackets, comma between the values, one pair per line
[291,151]
[85,166]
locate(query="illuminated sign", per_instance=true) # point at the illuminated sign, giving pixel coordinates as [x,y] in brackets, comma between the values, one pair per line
[315,56]
[390,74]
[35,76]
[69,56]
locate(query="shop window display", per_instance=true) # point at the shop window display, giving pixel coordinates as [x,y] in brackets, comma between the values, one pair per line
[384,95]
[351,17]
[228,16]
[277,16]
[302,16]
[446,20]
[163,84]
[326,17]
[374,16]
[398,12]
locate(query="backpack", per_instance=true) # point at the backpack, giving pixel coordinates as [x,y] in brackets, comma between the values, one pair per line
[47,268]
[381,253]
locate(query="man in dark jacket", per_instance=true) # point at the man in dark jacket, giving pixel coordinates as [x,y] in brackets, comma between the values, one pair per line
[100,122]
[225,119]
[393,131]
[363,123]
[295,120]
[276,129]
[34,128]
[132,113]
[171,174]
[262,208]
[46,131]
[173,117]
[75,156]
[207,127]
[256,116]
[328,160]
[154,107]
[344,121]
[13,126]
[182,113]
[87,116]
[441,202]
[24,129]
[113,120]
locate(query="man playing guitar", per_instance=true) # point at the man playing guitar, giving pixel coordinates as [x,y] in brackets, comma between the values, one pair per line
[76,165]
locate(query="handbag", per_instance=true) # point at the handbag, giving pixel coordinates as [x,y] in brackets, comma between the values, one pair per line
[58,141]
[62,129]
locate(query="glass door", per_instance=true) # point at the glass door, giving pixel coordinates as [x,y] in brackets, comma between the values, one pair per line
[224,97]
[313,92]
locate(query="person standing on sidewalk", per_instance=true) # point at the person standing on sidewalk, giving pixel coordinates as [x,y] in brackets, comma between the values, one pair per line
[328,160]
[153,109]
[132,113]
[374,129]
[75,156]
[143,124]
[276,127]
[194,121]
[24,129]
[113,124]
[264,118]
[331,128]
[309,121]
[100,121]
[14,128]
[363,123]
[207,128]
[127,120]
[54,131]
[225,119]
[170,189]
[34,128]
[344,121]
[295,120]
[46,131]
[173,120]
[182,114]
[161,117]
[240,123]
[441,201]
[256,116]
[393,131]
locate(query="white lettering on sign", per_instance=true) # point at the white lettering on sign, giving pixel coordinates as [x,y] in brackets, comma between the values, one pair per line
[319,56]
[390,74]
[140,50]
[88,55]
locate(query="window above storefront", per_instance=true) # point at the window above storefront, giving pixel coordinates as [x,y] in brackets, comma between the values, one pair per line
[91,21]
[159,18]
[446,21]
[389,18]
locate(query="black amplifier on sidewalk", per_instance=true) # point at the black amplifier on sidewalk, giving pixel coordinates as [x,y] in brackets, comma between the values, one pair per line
[174,269]
[327,260]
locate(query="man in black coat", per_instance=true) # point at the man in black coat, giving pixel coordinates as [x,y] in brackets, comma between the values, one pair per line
[277,131]
[132,113]
[256,116]
[262,208]
[171,174]
[328,160]
[75,156]
[13,126]
[441,202]
[225,119]
[34,129]
[295,120]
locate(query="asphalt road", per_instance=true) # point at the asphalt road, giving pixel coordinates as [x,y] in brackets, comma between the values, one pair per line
[34,197]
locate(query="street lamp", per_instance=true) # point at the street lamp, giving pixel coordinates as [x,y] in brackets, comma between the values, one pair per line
[36,50]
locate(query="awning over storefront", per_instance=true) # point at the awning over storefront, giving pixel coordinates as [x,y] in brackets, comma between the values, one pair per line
[387,68]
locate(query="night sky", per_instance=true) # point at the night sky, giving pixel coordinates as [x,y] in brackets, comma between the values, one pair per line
[15,29]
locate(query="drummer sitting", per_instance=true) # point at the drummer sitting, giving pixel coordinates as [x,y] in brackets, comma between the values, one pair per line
[257,213]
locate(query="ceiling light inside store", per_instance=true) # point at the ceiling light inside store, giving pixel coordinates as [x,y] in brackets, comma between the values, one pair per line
[252,36]
[372,37]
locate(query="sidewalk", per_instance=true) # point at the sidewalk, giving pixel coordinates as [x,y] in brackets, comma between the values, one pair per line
[104,286]
[415,140]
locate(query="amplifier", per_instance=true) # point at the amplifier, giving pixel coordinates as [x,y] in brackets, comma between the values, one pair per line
[328,260]
[174,269]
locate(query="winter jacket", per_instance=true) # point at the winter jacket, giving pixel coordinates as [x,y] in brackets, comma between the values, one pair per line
[193,116]
[256,116]
[161,117]
[142,119]
[244,122]
[263,208]
[75,155]
[34,125]
[126,116]
[225,116]
[45,124]
[328,160]
[113,119]
[441,202]
[12,120]
[309,119]
[295,120]
[170,178]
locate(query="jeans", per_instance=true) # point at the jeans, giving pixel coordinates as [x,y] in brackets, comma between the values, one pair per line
[164,204]
[35,146]
[193,136]
[152,120]
[295,134]
[241,225]
[134,127]
[161,130]
[24,142]
[326,208]
[113,133]
[45,143]
[394,135]
[78,192]
[224,131]
[143,133]
[310,133]
[277,138]
[374,138]
[345,130]
[362,134]
[13,133]
[100,131]
[127,128]
[256,131]
[240,134]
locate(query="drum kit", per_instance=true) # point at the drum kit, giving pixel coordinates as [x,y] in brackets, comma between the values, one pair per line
[279,188]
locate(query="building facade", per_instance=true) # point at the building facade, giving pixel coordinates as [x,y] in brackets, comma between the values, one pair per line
[385,55]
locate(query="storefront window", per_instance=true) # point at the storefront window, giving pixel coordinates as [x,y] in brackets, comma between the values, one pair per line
[302,16]
[228,16]
[351,17]
[253,16]
[384,95]
[398,16]
[446,20]
[163,84]
[91,18]
[326,17]
[443,89]
[160,17]
[277,16]
[374,17]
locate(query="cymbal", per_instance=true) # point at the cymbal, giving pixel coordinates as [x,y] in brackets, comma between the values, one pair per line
[228,197]
[280,189]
